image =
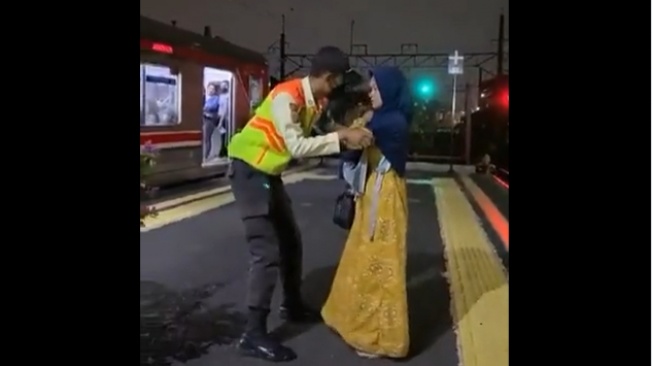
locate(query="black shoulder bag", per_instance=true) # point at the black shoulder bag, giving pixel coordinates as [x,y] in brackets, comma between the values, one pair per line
[345,209]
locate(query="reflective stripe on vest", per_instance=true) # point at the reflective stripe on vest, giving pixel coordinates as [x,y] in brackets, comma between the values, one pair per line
[271,135]
[259,143]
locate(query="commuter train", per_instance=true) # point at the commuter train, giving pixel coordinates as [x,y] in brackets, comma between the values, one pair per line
[491,125]
[179,69]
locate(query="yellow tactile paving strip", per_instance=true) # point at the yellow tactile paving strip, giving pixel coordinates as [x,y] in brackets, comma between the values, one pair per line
[477,280]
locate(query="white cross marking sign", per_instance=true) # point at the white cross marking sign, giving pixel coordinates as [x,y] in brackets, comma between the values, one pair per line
[455,66]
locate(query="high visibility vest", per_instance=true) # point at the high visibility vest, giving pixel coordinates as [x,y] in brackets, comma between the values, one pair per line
[260,144]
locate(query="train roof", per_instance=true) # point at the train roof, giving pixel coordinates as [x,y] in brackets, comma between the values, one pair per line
[497,81]
[162,32]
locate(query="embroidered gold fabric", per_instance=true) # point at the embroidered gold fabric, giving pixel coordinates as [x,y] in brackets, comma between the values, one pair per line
[367,304]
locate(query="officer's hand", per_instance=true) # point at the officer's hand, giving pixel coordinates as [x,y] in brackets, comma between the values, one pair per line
[356,138]
[363,137]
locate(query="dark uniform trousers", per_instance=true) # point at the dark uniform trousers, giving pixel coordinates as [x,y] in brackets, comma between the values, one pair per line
[273,239]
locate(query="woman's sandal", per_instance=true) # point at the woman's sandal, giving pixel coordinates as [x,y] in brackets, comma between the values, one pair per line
[366,355]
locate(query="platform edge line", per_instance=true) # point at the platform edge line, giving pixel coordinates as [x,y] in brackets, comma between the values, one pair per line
[497,220]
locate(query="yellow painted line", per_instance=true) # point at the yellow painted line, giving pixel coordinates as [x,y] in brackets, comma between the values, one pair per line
[419,181]
[164,205]
[477,280]
[186,211]
[314,176]
[191,197]
[201,205]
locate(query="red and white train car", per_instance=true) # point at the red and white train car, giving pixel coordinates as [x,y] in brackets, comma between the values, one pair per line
[177,68]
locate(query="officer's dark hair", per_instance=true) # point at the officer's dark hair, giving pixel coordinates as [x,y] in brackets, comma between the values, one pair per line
[329,59]
[353,92]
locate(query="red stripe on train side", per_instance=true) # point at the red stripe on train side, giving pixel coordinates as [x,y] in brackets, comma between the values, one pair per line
[168,137]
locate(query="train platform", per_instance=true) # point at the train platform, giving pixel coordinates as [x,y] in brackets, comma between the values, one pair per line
[194,267]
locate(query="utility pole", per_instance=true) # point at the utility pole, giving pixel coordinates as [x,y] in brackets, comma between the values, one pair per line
[351,37]
[480,84]
[500,42]
[468,124]
[282,49]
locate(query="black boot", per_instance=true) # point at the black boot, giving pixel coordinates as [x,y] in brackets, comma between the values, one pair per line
[256,342]
[264,347]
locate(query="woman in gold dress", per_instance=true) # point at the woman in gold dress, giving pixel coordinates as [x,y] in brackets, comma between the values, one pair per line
[367,305]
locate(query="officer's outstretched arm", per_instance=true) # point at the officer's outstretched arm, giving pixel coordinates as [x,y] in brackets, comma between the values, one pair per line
[286,122]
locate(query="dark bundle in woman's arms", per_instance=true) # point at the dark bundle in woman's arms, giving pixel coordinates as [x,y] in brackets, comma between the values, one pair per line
[353,92]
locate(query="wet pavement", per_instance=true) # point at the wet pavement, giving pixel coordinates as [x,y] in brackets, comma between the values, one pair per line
[193,277]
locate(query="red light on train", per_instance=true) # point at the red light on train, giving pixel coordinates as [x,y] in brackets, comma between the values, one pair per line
[505,98]
[161,47]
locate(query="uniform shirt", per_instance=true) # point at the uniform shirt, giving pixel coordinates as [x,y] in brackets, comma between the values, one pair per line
[211,107]
[284,120]
[223,102]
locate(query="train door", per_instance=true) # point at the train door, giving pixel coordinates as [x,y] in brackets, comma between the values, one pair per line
[217,115]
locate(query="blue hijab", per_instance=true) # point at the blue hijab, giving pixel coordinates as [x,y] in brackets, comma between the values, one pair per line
[390,123]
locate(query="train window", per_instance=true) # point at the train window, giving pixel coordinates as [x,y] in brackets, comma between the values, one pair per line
[142,120]
[160,96]
[255,91]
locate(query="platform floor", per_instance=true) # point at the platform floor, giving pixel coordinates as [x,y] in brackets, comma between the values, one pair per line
[193,277]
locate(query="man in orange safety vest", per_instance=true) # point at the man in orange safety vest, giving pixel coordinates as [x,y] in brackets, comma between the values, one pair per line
[278,132]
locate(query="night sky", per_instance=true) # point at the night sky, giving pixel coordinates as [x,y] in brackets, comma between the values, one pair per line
[435,25]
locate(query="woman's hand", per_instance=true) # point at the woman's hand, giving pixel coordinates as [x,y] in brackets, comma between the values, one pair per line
[363,144]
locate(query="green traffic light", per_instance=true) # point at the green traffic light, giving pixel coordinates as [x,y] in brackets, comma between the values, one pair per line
[425,88]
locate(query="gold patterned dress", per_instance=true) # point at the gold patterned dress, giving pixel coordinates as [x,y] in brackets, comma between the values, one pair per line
[367,305]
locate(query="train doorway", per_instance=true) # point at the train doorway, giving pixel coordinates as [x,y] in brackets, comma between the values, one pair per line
[217,115]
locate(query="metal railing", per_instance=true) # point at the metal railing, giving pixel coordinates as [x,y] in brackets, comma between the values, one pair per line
[436,146]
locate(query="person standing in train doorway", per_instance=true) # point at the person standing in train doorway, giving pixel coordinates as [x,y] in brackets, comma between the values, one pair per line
[224,118]
[210,120]
[277,133]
